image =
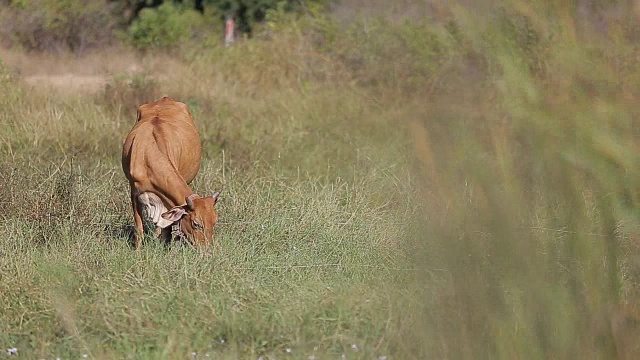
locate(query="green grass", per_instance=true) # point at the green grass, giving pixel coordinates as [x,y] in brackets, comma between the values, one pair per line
[310,228]
[303,263]
[285,276]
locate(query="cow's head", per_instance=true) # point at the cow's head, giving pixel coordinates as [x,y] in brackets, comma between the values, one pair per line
[196,219]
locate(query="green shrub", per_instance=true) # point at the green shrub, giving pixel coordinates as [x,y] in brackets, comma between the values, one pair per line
[169,26]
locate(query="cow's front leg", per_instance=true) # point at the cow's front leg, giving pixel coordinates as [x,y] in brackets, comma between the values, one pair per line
[164,235]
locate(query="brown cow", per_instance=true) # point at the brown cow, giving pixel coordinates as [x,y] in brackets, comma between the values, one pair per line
[160,157]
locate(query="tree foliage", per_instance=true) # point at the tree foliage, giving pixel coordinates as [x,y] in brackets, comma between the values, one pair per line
[249,12]
[80,25]
[166,26]
[246,12]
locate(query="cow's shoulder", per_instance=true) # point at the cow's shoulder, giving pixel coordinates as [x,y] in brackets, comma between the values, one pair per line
[164,106]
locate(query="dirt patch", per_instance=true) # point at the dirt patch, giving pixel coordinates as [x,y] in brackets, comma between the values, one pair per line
[107,61]
[69,83]
[87,74]
[67,73]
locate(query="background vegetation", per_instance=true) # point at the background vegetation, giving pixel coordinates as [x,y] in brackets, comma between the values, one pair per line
[448,181]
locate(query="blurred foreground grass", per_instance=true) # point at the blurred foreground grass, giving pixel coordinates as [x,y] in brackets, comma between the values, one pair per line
[463,187]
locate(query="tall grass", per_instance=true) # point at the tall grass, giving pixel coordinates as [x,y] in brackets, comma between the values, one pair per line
[309,233]
[451,188]
[530,159]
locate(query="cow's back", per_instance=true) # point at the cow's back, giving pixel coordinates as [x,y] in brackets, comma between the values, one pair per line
[164,132]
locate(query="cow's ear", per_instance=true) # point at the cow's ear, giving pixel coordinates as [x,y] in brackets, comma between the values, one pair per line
[174,214]
[215,197]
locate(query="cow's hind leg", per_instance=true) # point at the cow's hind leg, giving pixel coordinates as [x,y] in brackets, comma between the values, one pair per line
[137,218]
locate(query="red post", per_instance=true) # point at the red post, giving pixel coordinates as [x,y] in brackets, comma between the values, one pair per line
[229,32]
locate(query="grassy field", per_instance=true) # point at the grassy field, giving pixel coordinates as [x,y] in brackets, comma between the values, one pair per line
[443,188]
[315,188]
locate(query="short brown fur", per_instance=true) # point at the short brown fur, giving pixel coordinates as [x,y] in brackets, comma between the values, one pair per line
[161,155]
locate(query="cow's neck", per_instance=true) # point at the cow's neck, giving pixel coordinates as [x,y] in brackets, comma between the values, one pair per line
[177,194]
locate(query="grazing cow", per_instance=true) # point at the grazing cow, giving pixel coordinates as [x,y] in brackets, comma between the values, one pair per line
[160,157]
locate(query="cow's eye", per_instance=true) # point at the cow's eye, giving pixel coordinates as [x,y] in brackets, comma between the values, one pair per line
[197,225]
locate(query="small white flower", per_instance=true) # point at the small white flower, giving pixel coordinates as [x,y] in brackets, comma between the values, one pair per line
[260,357]
[85,356]
[344,356]
[206,355]
[354,347]
[194,354]
[311,357]
[12,351]
[288,350]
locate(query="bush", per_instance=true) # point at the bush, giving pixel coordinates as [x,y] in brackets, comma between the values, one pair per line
[168,26]
[57,26]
